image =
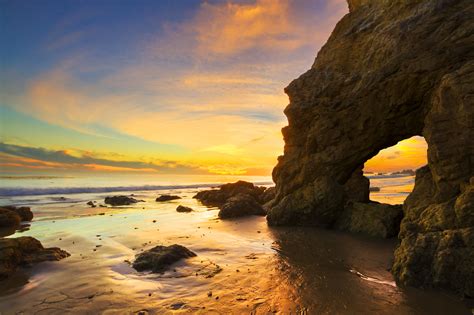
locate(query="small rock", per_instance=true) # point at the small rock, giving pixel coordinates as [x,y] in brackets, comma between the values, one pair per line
[183,209]
[159,258]
[167,198]
[120,200]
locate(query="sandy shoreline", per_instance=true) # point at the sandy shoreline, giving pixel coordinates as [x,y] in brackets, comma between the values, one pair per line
[260,269]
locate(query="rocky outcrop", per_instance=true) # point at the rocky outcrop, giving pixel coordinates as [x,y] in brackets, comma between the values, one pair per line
[373,219]
[217,197]
[9,219]
[389,71]
[163,198]
[160,258]
[120,201]
[24,212]
[25,251]
[235,199]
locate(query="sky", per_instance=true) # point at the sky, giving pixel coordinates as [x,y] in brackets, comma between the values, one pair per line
[173,87]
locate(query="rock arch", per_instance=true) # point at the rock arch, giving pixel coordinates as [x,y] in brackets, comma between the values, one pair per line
[389,71]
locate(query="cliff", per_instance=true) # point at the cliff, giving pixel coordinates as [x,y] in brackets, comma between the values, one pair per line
[389,71]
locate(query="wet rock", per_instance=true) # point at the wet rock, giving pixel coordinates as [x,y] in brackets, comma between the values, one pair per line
[120,200]
[9,219]
[183,209]
[374,189]
[217,197]
[167,198]
[449,255]
[240,205]
[389,71]
[160,258]
[91,204]
[373,219]
[25,251]
[24,212]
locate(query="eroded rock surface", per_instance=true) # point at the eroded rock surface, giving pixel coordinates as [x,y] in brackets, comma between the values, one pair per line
[25,251]
[159,258]
[389,71]
[373,219]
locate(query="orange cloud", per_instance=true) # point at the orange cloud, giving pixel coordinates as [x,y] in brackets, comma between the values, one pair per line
[232,28]
[407,154]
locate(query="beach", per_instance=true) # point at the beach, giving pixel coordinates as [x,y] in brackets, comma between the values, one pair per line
[242,265]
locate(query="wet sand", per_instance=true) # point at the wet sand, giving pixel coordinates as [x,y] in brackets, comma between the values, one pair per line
[242,267]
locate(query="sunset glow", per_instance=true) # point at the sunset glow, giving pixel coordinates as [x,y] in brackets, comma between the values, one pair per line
[186,91]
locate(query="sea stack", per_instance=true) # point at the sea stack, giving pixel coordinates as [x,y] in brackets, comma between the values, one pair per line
[389,71]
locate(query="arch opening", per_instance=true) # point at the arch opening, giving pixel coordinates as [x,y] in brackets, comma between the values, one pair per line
[392,171]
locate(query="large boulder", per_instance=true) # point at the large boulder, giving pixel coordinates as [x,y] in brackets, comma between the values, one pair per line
[24,212]
[239,206]
[389,71]
[160,258]
[373,219]
[217,197]
[25,251]
[120,201]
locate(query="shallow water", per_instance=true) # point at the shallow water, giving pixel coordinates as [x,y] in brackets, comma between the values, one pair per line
[247,266]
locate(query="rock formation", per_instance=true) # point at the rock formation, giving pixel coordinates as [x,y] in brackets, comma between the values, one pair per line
[181,208]
[159,258]
[120,201]
[25,251]
[235,199]
[24,212]
[391,69]
[239,206]
[167,198]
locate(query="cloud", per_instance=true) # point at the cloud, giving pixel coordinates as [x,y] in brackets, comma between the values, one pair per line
[407,154]
[39,158]
[210,84]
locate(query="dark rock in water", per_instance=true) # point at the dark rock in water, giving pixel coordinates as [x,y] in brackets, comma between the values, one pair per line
[268,194]
[24,251]
[183,209]
[91,204]
[389,71]
[239,206]
[373,219]
[159,258]
[120,200]
[24,212]
[9,219]
[374,189]
[167,198]
[217,197]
